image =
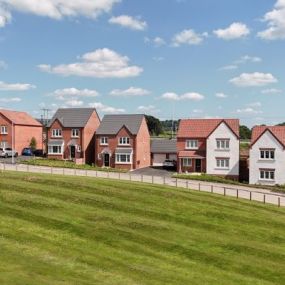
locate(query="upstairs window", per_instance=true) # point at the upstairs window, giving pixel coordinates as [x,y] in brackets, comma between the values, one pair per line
[124,141]
[103,141]
[75,133]
[223,144]
[4,130]
[56,133]
[192,144]
[267,154]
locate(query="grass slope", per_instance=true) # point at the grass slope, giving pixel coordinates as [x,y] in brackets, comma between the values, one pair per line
[57,230]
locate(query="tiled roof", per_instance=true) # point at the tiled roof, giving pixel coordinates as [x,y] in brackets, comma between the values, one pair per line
[192,154]
[20,118]
[72,117]
[163,146]
[202,128]
[111,124]
[277,131]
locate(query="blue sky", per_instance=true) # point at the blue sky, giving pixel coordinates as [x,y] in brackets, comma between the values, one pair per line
[203,58]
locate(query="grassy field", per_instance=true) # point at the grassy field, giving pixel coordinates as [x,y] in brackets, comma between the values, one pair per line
[58,231]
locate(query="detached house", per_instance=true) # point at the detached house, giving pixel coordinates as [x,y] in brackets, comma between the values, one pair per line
[267,155]
[209,146]
[123,141]
[17,129]
[71,134]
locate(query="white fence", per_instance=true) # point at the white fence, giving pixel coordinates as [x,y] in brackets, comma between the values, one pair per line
[260,196]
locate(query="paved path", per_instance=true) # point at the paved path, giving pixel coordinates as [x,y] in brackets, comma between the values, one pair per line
[260,195]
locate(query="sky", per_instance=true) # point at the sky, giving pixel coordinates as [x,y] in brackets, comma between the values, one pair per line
[166,58]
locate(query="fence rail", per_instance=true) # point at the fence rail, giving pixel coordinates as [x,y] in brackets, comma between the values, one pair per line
[260,196]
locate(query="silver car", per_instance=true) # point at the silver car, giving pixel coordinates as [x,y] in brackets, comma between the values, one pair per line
[7,152]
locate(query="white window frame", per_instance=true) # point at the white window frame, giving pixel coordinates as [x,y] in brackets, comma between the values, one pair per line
[124,141]
[78,148]
[267,174]
[75,133]
[223,144]
[185,162]
[267,154]
[119,158]
[57,133]
[4,130]
[191,144]
[51,150]
[104,141]
[222,163]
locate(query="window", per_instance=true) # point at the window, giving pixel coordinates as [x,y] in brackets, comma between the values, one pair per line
[78,148]
[56,133]
[54,149]
[124,141]
[3,144]
[75,133]
[267,154]
[267,174]
[4,130]
[123,158]
[223,163]
[104,141]
[191,144]
[223,144]
[187,162]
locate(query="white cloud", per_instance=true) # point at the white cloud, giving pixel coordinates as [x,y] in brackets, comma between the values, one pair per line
[170,96]
[157,41]
[248,58]
[234,31]
[62,94]
[253,79]
[129,22]
[276,23]
[271,91]
[130,92]
[221,95]
[55,9]
[188,37]
[197,111]
[106,109]
[15,86]
[102,63]
[229,67]
[193,96]
[10,100]
[74,103]
[148,109]
[254,104]
[249,111]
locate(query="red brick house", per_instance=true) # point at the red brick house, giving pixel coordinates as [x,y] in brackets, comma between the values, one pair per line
[123,141]
[209,146]
[22,127]
[71,134]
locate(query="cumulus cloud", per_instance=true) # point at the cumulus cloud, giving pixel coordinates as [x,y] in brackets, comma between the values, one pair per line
[221,95]
[130,92]
[10,100]
[55,9]
[248,58]
[101,63]
[62,94]
[129,22]
[148,109]
[249,111]
[74,103]
[187,37]
[157,41]
[234,31]
[193,96]
[106,109]
[253,79]
[276,23]
[170,96]
[15,86]
[271,91]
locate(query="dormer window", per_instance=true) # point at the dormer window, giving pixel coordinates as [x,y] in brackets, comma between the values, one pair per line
[56,133]
[124,141]
[192,144]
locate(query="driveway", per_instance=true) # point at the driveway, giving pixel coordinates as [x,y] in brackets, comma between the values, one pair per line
[154,171]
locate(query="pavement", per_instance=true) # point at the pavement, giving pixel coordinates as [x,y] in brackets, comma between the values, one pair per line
[17,159]
[154,171]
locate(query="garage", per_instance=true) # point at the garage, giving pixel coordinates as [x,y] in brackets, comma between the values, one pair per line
[161,150]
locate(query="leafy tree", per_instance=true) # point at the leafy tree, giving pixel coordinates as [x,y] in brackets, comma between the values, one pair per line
[33,143]
[282,124]
[154,125]
[245,133]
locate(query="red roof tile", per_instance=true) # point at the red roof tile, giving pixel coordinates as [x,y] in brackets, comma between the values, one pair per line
[202,128]
[277,131]
[20,118]
[192,154]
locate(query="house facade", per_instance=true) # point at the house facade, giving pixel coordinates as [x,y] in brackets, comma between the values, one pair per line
[209,146]
[161,150]
[267,155]
[123,141]
[17,130]
[71,134]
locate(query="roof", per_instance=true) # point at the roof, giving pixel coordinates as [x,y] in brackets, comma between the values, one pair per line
[163,146]
[20,118]
[277,131]
[111,124]
[192,154]
[202,128]
[72,117]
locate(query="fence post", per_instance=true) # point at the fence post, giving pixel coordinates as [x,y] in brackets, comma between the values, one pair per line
[237,194]
[279,204]
[199,186]
[212,188]
[152,179]
[164,182]
[264,198]
[176,182]
[250,195]
[225,191]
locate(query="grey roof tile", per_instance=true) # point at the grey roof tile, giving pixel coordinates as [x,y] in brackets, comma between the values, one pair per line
[163,146]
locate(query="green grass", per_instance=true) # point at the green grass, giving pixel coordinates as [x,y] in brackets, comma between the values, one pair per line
[67,164]
[58,231]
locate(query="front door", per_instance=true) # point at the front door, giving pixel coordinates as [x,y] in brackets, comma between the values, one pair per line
[198,165]
[72,151]
[107,160]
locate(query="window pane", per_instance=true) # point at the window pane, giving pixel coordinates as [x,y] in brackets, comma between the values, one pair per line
[262,174]
[272,175]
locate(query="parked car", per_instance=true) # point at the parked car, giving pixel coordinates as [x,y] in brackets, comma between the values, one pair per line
[27,151]
[169,163]
[39,153]
[7,152]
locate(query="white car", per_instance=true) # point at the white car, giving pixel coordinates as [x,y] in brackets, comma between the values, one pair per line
[169,163]
[7,152]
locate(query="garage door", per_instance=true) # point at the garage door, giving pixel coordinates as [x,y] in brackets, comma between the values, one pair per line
[173,157]
[158,159]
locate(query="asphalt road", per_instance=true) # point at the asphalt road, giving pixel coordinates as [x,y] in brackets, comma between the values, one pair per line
[154,171]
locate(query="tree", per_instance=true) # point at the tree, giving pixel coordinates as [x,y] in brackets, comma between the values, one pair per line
[282,124]
[245,133]
[33,143]
[154,125]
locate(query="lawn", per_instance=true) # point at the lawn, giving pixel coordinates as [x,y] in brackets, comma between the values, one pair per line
[57,230]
